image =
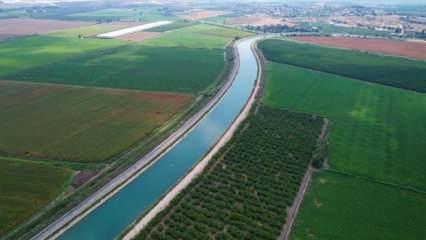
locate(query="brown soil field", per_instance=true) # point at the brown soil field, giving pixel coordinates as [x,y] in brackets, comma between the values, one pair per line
[79,123]
[201,14]
[18,27]
[139,36]
[256,20]
[391,47]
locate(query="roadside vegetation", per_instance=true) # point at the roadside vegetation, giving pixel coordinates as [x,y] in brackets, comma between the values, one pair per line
[246,189]
[26,187]
[392,71]
[373,185]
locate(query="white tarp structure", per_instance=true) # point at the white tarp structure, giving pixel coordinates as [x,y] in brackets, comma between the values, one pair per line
[129,30]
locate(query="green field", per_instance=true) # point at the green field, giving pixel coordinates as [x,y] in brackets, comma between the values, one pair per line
[330,29]
[198,36]
[377,131]
[245,191]
[124,14]
[393,71]
[134,67]
[64,58]
[343,207]
[377,140]
[39,50]
[25,188]
[79,124]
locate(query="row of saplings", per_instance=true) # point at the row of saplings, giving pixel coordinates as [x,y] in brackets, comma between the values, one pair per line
[248,186]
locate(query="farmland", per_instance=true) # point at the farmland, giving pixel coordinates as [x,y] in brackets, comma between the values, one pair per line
[123,14]
[373,186]
[245,191]
[25,188]
[343,207]
[393,71]
[202,14]
[198,36]
[172,26]
[78,124]
[392,47]
[133,67]
[63,58]
[95,112]
[370,136]
[39,50]
[12,28]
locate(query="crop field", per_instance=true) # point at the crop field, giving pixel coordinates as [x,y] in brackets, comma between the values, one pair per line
[372,134]
[393,71]
[198,36]
[39,50]
[25,188]
[64,58]
[202,14]
[344,207]
[392,47]
[76,123]
[134,67]
[124,14]
[18,27]
[244,192]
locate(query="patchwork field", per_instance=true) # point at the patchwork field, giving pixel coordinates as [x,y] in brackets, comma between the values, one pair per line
[125,14]
[198,36]
[377,131]
[79,124]
[245,191]
[64,58]
[393,71]
[392,47]
[256,20]
[343,207]
[18,27]
[25,188]
[202,14]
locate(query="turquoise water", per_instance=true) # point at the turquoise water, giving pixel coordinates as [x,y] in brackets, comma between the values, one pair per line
[112,217]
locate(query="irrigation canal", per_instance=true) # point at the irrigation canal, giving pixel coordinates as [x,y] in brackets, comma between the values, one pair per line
[113,216]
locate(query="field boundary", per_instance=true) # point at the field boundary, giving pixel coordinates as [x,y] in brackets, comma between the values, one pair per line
[201,165]
[359,50]
[104,193]
[293,211]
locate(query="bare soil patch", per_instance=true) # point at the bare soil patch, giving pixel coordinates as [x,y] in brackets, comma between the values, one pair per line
[392,47]
[139,36]
[201,14]
[260,21]
[18,27]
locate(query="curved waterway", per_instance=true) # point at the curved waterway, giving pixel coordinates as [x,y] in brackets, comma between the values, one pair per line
[113,216]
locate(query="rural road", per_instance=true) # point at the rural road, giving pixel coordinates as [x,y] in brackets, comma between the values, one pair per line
[304,185]
[74,215]
[198,169]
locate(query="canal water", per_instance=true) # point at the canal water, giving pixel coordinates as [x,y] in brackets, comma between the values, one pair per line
[112,217]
